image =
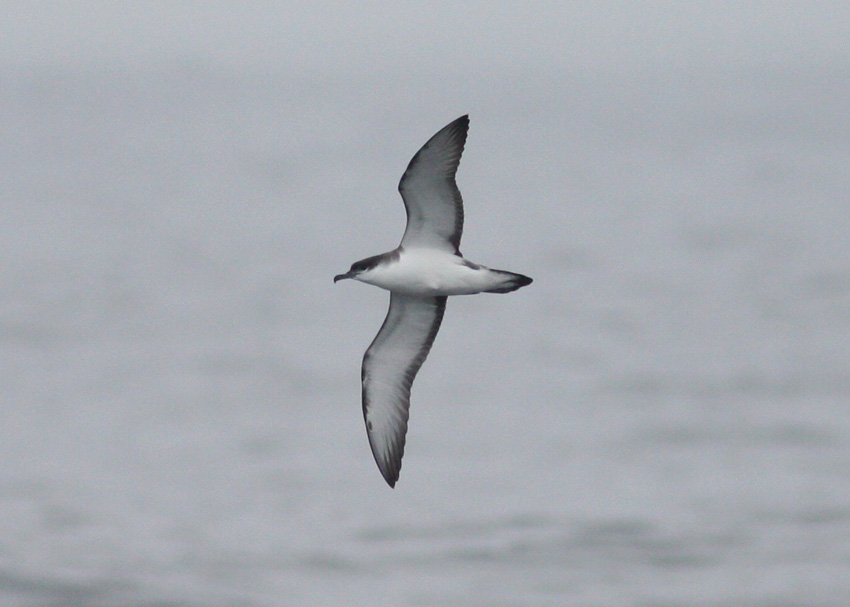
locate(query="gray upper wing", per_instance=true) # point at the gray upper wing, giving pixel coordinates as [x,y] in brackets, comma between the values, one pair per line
[389,367]
[431,196]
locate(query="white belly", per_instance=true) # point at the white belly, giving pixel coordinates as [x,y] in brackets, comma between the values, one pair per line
[430,272]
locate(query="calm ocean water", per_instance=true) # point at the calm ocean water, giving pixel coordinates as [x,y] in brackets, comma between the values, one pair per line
[661,419]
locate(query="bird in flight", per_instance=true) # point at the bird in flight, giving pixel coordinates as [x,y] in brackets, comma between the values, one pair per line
[420,274]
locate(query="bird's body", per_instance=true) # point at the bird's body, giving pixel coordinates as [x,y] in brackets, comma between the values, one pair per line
[431,272]
[420,274]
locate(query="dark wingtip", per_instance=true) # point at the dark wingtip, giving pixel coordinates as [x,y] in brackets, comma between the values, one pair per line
[462,123]
[391,475]
[458,127]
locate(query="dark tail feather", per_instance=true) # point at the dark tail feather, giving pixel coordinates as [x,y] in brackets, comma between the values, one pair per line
[511,282]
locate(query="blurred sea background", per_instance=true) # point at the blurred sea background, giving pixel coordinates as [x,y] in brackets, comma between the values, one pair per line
[660,420]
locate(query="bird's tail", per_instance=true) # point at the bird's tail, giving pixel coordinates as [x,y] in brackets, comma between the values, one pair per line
[508,281]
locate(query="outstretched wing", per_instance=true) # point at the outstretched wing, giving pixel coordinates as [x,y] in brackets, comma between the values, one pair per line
[389,367]
[431,197]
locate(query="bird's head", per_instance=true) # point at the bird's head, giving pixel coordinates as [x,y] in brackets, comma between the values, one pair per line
[357,268]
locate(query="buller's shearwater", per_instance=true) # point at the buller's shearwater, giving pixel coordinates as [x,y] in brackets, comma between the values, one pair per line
[419,274]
